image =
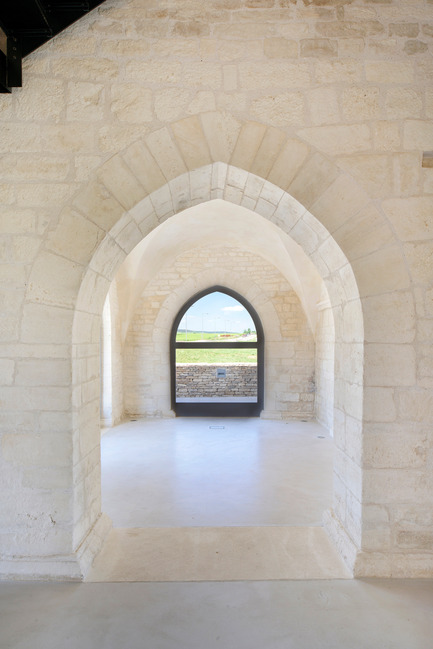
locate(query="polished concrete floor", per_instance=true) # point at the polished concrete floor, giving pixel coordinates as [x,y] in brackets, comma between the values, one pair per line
[334,614]
[194,499]
[275,614]
[216,472]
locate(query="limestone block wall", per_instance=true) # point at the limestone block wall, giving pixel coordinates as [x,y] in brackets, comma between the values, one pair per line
[116,356]
[325,376]
[331,104]
[289,344]
[200,380]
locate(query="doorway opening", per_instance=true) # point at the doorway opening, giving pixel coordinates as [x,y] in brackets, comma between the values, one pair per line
[217,357]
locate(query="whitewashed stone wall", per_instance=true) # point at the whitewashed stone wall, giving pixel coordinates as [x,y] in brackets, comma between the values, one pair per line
[111,361]
[289,343]
[325,376]
[331,103]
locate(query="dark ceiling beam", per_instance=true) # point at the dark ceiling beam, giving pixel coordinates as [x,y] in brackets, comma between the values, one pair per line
[25,25]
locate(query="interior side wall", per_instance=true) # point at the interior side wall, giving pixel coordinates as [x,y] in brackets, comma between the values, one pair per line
[289,344]
[116,357]
[325,350]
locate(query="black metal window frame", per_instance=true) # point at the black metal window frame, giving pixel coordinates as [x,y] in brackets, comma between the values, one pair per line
[209,408]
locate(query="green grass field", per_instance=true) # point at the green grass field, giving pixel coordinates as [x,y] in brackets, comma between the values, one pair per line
[213,355]
[196,335]
[216,356]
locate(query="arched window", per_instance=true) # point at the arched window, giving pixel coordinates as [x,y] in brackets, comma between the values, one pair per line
[217,357]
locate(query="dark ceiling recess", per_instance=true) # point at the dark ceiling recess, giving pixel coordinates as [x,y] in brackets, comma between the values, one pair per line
[25,25]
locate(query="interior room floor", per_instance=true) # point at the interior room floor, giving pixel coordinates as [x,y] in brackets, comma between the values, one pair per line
[194,499]
[351,614]
[216,472]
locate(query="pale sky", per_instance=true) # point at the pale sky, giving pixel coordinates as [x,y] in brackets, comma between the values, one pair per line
[217,312]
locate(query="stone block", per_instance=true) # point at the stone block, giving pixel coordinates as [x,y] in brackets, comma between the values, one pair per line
[415,47]
[319,47]
[399,447]
[191,28]
[239,50]
[177,48]
[43,372]
[379,405]
[132,103]
[44,195]
[315,176]
[146,72]
[419,257]
[403,103]
[263,76]
[202,102]
[415,405]
[165,151]
[349,28]
[85,101]
[74,237]
[191,142]
[361,103]
[221,131]
[389,72]
[411,217]
[323,106]
[339,202]
[34,167]
[418,134]
[7,369]
[280,109]
[170,104]
[54,280]
[65,138]
[364,233]
[18,221]
[374,172]
[121,182]
[99,205]
[39,104]
[338,71]
[203,75]
[288,163]
[243,31]
[381,272]
[44,324]
[339,140]
[332,255]
[37,450]
[144,166]
[388,365]
[389,318]
[107,258]
[85,68]
[280,48]
[406,29]
[247,145]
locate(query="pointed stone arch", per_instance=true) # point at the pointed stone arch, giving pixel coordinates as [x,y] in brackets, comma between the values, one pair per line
[202,158]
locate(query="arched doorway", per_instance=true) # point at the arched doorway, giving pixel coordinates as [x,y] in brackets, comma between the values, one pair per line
[210,404]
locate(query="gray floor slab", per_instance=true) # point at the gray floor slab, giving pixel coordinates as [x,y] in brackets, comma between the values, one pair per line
[187,472]
[239,615]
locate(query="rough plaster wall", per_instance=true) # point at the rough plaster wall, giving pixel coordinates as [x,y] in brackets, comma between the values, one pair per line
[350,85]
[289,344]
[324,377]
